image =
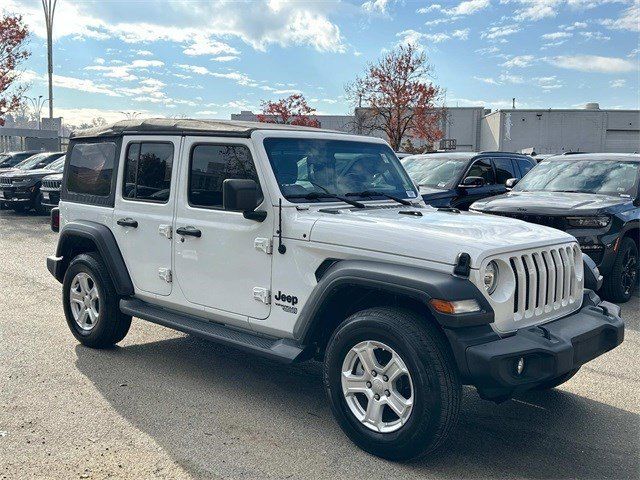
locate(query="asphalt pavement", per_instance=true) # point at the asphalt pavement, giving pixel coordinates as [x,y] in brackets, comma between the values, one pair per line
[166,405]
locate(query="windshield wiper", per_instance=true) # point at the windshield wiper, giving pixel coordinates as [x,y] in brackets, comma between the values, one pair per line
[318,195]
[374,193]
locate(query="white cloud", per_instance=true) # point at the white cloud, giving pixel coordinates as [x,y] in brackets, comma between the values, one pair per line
[125,72]
[573,26]
[207,112]
[260,23]
[597,36]
[225,58]
[83,85]
[468,7]
[629,19]
[500,31]
[509,78]
[144,53]
[377,6]
[533,10]
[461,34]
[593,63]
[556,35]
[619,83]
[548,83]
[208,46]
[519,61]
[489,80]
[416,38]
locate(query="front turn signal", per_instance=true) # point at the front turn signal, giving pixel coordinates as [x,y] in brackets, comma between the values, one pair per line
[456,307]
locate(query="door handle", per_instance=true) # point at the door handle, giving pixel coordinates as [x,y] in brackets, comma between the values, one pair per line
[189,231]
[127,222]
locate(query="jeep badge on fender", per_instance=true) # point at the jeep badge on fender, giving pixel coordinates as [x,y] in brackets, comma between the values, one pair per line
[377,300]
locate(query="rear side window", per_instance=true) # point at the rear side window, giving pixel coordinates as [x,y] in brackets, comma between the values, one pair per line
[524,166]
[90,168]
[211,165]
[482,168]
[147,171]
[504,170]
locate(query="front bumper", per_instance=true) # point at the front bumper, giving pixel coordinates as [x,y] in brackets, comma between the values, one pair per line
[15,195]
[549,350]
[50,198]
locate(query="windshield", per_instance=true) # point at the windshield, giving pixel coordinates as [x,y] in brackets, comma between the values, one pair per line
[31,162]
[313,169]
[435,172]
[14,160]
[57,166]
[607,177]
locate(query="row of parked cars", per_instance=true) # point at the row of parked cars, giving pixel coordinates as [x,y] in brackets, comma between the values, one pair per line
[594,197]
[30,180]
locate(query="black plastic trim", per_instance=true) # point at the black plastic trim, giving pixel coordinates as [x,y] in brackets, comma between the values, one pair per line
[417,283]
[280,349]
[107,247]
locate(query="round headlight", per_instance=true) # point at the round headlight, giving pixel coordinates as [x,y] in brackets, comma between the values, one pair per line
[490,277]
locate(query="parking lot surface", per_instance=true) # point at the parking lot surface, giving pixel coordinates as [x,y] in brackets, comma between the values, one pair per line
[166,405]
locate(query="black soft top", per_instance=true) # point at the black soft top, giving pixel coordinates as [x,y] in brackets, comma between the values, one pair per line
[186,126]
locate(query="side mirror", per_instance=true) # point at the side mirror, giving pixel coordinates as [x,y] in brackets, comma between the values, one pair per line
[240,195]
[473,182]
[511,182]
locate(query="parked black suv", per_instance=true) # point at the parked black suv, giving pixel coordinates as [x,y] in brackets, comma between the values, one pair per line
[9,160]
[595,198]
[20,189]
[459,179]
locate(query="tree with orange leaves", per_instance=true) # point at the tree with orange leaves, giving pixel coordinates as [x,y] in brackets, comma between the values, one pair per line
[292,110]
[399,98]
[13,35]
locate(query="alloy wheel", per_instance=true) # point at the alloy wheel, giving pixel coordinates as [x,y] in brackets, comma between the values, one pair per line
[629,272]
[85,301]
[377,386]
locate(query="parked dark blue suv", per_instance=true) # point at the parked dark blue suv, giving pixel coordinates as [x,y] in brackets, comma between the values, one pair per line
[457,179]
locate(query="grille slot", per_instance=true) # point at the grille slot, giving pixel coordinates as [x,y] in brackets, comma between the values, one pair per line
[5,182]
[51,184]
[545,281]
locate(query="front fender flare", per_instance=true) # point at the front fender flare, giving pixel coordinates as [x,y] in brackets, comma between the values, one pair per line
[417,283]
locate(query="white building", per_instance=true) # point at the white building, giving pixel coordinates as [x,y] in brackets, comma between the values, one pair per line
[521,130]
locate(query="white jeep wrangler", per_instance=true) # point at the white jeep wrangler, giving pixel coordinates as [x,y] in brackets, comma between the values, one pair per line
[297,243]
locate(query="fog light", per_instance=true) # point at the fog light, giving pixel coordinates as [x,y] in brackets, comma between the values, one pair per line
[520,366]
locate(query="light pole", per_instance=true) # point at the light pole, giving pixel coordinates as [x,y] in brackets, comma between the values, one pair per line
[130,115]
[49,7]
[37,104]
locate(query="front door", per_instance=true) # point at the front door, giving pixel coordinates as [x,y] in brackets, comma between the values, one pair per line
[144,209]
[219,261]
[480,168]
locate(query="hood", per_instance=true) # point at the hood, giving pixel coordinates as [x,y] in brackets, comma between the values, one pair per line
[435,236]
[549,203]
[53,176]
[39,173]
[433,191]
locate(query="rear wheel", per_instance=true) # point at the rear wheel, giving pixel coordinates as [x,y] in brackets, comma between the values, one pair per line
[622,281]
[90,303]
[392,383]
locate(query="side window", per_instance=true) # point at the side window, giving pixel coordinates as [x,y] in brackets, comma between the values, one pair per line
[482,168]
[147,171]
[91,168]
[524,166]
[504,170]
[210,165]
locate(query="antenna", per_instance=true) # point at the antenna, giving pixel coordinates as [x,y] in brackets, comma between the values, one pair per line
[281,248]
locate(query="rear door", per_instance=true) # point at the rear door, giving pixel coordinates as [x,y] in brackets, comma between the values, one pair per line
[222,260]
[144,209]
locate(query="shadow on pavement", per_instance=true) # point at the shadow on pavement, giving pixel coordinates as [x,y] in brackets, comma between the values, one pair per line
[200,401]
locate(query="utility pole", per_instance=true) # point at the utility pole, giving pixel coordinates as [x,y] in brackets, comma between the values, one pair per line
[49,7]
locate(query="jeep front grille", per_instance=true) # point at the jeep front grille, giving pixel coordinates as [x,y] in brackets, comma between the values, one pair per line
[546,281]
[5,182]
[51,184]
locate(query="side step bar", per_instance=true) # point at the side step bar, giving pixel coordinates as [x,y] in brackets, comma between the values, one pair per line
[282,350]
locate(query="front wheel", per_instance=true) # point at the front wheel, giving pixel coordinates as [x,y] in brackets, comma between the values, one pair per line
[621,282]
[392,383]
[90,303]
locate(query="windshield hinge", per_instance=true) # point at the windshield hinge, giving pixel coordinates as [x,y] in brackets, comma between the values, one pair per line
[262,294]
[264,245]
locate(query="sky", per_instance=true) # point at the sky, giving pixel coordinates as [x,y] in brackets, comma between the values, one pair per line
[208,59]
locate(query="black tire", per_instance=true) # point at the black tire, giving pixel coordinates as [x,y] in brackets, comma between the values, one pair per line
[20,208]
[437,390]
[37,205]
[622,280]
[111,325]
[556,382]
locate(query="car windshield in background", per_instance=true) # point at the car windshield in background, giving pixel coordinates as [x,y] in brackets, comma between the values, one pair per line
[57,165]
[433,172]
[315,169]
[606,177]
[31,162]
[14,160]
